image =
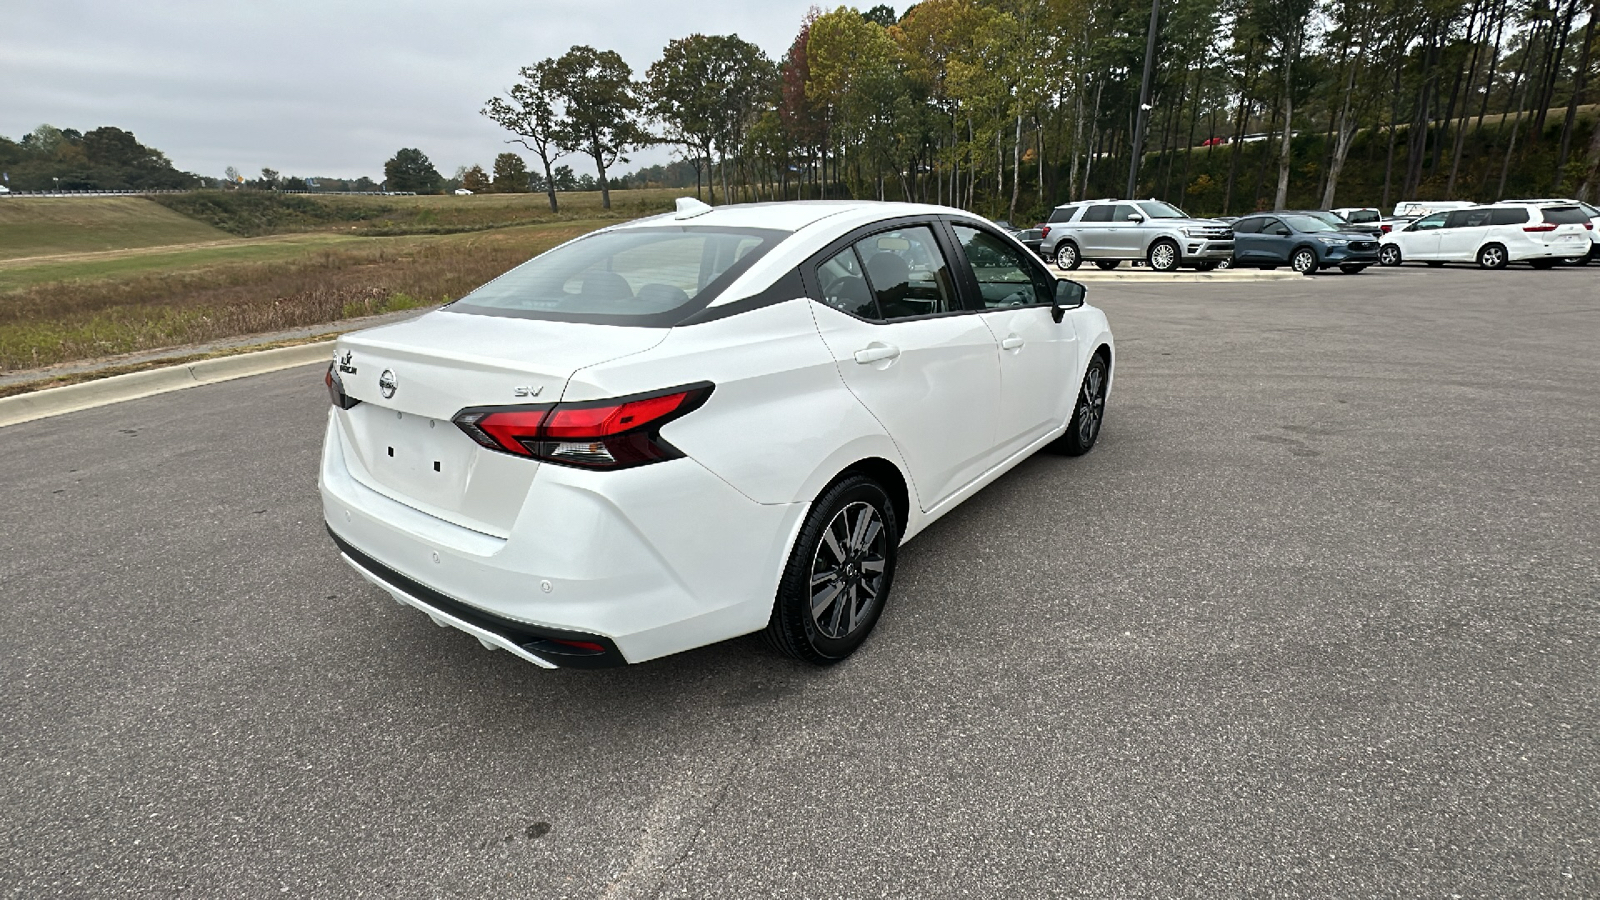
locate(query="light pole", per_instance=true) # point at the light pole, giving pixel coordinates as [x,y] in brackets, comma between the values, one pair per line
[1144,100]
[58,184]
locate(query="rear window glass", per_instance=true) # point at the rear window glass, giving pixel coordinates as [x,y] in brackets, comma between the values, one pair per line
[1565,215]
[643,276]
[1362,216]
[1062,214]
[1508,216]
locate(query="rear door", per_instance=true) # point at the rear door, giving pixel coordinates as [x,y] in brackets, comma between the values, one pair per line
[1276,241]
[1092,228]
[1038,355]
[1247,240]
[926,368]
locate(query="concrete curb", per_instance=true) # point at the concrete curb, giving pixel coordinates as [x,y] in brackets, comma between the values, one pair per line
[1226,276]
[132,386]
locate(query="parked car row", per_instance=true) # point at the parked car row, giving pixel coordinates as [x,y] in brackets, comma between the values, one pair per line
[1543,233]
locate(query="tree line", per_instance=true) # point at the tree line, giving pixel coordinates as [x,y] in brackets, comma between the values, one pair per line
[1008,107]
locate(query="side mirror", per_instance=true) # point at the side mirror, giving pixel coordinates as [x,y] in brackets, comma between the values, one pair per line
[1136,218]
[1069,295]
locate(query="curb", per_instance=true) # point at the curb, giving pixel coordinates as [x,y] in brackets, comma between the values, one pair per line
[132,386]
[1226,276]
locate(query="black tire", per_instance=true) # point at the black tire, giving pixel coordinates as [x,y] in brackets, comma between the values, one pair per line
[1389,255]
[1164,256]
[1492,256]
[1577,260]
[1106,265]
[1207,266]
[1542,263]
[1304,261]
[1088,414]
[827,637]
[1434,263]
[1352,269]
[1067,256]
[1226,263]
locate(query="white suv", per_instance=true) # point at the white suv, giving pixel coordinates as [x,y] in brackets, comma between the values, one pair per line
[1492,236]
[1590,210]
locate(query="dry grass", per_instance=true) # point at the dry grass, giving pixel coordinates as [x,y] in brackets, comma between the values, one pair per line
[63,321]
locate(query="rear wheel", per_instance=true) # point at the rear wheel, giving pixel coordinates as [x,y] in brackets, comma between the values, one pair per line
[1389,255]
[1089,413]
[1164,256]
[1352,269]
[1067,256]
[1492,256]
[1576,260]
[1107,264]
[839,574]
[1304,261]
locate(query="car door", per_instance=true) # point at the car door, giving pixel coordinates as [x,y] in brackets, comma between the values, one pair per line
[1275,242]
[1420,239]
[925,366]
[1124,236]
[1092,228]
[1038,355]
[1464,231]
[1247,240]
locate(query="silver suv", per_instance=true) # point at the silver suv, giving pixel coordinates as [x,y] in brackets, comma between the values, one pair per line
[1106,232]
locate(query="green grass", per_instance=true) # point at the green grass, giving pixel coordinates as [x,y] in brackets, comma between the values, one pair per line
[39,226]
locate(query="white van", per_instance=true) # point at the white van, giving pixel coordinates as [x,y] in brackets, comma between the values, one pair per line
[1491,236]
[1414,208]
[1589,209]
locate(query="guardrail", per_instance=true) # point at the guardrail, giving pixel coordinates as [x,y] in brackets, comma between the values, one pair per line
[113,193]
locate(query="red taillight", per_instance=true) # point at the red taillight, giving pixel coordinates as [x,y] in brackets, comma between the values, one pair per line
[1386,228]
[606,434]
[336,389]
[1542,226]
[1044,232]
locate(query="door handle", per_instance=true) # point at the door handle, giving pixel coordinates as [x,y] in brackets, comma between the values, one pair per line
[877,352]
[1011,343]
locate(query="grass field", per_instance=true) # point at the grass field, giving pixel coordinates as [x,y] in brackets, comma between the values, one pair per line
[106,276]
[36,226]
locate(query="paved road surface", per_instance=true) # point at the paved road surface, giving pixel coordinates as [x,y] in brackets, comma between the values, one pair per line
[1318,618]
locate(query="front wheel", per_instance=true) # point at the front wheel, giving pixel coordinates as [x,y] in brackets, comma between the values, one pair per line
[1225,263]
[1492,256]
[1067,256]
[1304,261]
[1352,269]
[1106,265]
[1389,255]
[1164,256]
[839,574]
[1089,413]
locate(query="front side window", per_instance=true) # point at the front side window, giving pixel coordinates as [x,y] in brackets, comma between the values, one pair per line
[1004,276]
[1123,212]
[1428,223]
[1274,228]
[641,276]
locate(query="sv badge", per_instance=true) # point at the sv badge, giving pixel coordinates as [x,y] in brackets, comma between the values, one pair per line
[527,391]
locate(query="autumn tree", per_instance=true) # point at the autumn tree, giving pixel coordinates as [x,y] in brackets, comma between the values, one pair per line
[475,180]
[602,108]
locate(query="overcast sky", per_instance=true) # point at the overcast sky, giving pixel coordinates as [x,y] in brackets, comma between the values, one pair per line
[325,88]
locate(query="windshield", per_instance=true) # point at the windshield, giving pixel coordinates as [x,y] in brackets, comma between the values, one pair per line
[643,276]
[1155,209]
[1327,217]
[1308,224]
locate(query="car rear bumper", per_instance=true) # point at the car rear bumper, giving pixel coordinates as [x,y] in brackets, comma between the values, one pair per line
[642,562]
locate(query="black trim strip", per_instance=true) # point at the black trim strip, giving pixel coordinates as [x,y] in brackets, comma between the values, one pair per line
[538,640]
[789,286]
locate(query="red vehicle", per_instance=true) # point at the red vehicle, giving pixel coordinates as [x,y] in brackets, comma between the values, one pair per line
[1215,141]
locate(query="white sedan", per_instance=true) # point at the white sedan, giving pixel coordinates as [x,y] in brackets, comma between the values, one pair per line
[700,425]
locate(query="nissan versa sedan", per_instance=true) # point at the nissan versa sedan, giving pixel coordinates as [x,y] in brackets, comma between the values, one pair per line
[700,425]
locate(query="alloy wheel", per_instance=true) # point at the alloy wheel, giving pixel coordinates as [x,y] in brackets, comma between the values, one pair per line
[1305,262]
[1091,404]
[847,570]
[1389,255]
[1067,256]
[1163,257]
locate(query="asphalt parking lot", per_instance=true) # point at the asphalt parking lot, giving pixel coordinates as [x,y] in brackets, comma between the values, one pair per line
[1318,618]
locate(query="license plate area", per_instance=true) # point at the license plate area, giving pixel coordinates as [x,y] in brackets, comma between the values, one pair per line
[415,456]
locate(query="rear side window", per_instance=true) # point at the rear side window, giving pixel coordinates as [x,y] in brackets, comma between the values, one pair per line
[1062,214]
[1565,215]
[644,276]
[1248,226]
[1507,216]
[1468,218]
[891,275]
[1097,214]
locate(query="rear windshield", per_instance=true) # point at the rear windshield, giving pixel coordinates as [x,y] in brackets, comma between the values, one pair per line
[1063,213]
[1360,216]
[1565,215]
[639,276]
